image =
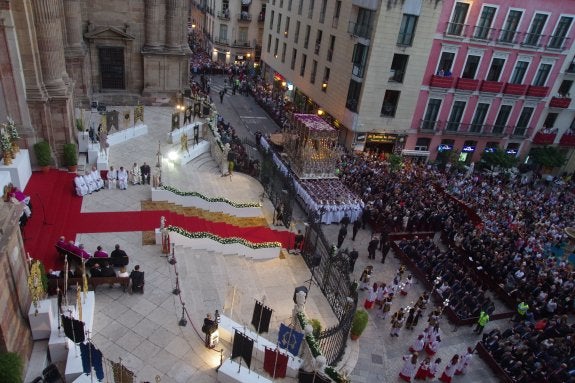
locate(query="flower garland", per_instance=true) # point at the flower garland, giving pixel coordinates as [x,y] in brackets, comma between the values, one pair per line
[11,128]
[223,241]
[208,199]
[35,284]
[316,351]
[5,141]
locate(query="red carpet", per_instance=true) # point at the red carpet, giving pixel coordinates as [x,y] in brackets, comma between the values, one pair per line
[53,194]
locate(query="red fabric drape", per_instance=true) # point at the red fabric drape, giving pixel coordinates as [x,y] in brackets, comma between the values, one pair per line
[275,358]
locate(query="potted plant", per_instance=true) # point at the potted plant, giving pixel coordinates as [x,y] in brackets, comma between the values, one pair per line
[11,367]
[70,157]
[80,124]
[359,324]
[43,155]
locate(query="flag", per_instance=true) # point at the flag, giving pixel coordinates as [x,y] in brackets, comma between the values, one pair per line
[261,317]
[289,339]
[121,373]
[243,346]
[275,363]
[74,329]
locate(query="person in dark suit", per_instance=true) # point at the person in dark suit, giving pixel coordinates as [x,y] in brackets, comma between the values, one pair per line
[95,271]
[145,171]
[137,280]
[107,270]
[208,328]
[118,253]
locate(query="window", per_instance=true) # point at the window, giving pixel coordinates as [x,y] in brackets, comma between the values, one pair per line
[326,73]
[559,36]
[359,59]
[532,38]
[269,43]
[519,72]
[284,48]
[471,66]
[272,20]
[483,28]
[407,30]
[335,20]
[495,69]
[322,11]
[491,147]
[300,7]
[313,71]
[479,117]
[422,143]
[289,5]
[390,101]
[509,31]
[445,62]
[353,93]
[302,65]
[112,67]
[296,37]
[318,41]
[306,40]
[542,75]
[279,23]
[286,28]
[502,118]
[362,27]
[455,116]
[293,58]
[276,48]
[430,120]
[223,33]
[565,88]
[243,35]
[398,67]
[523,121]
[550,121]
[281,3]
[331,47]
[457,24]
[310,9]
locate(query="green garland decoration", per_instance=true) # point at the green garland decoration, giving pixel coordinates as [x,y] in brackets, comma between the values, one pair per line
[5,141]
[223,241]
[11,129]
[316,351]
[208,199]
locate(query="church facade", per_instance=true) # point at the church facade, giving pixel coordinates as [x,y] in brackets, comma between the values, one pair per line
[59,55]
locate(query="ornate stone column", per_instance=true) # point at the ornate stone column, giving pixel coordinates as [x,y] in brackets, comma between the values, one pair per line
[174,20]
[73,16]
[155,11]
[51,46]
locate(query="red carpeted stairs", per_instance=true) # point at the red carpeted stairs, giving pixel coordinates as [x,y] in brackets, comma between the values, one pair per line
[53,193]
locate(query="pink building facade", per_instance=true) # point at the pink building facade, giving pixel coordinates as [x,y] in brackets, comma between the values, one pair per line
[489,75]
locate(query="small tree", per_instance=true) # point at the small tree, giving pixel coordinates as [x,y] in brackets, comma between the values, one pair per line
[11,367]
[395,162]
[43,153]
[547,157]
[70,155]
[498,159]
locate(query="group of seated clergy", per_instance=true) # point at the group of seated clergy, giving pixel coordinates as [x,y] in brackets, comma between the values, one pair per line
[70,246]
[90,182]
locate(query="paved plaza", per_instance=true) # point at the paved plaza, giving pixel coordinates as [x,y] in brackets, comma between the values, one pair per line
[143,330]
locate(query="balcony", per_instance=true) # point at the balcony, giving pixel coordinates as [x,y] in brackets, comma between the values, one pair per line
[533,40]
[225,15]
[241,44]
[221,41]
[541,138]
[558,43]
[456,30]
[491,86]
[484,33]
[537,91]
[428,126]
[359,30]
[244,17]
[515,89]
[441,82]
[467,84]
[507,36]
[567,139]
[519,132]
[560,102]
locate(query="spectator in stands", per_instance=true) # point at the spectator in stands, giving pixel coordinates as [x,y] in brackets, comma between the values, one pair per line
[99,253]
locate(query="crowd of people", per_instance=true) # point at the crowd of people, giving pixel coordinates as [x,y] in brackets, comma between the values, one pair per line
[238,155]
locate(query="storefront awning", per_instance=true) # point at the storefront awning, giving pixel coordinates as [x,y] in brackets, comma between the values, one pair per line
[415,153]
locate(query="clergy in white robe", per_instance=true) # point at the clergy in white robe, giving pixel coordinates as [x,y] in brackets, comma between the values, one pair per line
[122,178]
[90,182]
[81,187]
[97,177]
[136,175]
[112,178]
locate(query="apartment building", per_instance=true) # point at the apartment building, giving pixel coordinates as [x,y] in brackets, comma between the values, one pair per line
[231,30]
[491,68]
[359,63]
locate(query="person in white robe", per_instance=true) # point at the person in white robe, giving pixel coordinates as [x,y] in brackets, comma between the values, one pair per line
[112,178]
[81,187]
[90,182]
[122,178]
[409,367]
[136,175]
[97,177]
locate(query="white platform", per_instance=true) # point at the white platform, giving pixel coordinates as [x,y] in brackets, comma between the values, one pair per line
[200,203]
[74,361]
[83,142]
[227,328]
[228,373]
[211,245]
[193,152]
[175,135]
[41,322]
[5,179]
[127,134]
[20,170]
[58,343]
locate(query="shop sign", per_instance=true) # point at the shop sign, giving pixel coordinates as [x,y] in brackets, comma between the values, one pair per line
[381,138]
[468,149]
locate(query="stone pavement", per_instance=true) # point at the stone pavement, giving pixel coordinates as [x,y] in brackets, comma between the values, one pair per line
[143,329]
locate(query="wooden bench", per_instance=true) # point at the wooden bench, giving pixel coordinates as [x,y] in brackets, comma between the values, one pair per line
[73,257]
[93,283]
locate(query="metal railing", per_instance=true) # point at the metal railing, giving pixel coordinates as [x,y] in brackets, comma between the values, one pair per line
[359,30]
[245,17]
[456,29]
[430,125]
[224,15]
